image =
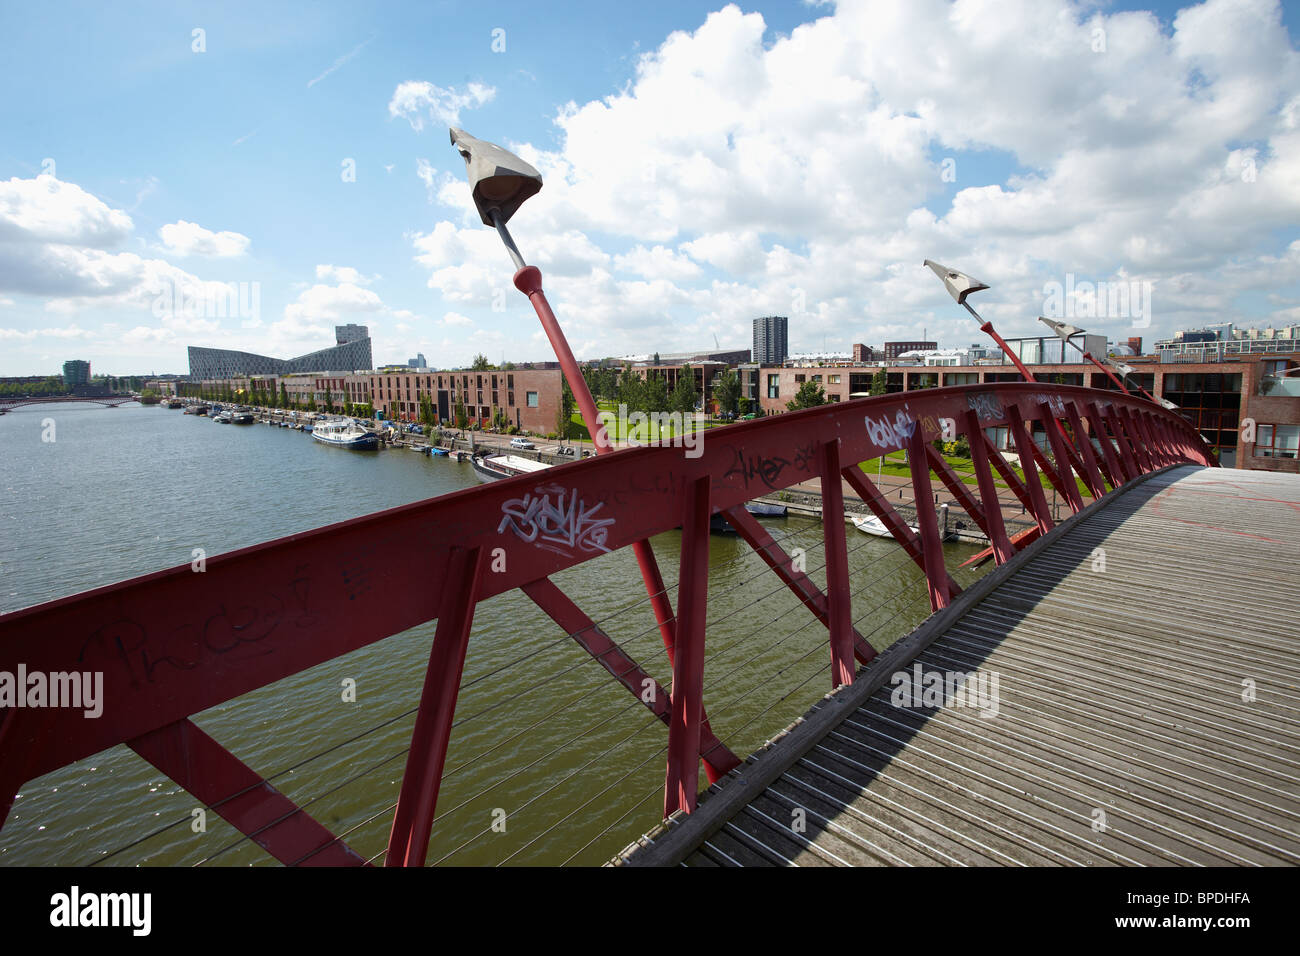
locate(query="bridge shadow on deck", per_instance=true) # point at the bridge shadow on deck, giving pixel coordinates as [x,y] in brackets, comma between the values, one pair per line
[805,806]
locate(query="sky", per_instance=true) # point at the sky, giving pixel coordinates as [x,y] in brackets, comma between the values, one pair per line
[249,175]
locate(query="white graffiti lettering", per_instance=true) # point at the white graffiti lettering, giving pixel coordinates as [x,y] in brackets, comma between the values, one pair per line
[986,406]
[1054,402]
[557,520]
[889,435]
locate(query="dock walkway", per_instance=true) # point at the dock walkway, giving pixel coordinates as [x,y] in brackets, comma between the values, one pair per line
[1140,689]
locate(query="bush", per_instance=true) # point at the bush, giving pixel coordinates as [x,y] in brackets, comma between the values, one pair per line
[512,430]
[959,448]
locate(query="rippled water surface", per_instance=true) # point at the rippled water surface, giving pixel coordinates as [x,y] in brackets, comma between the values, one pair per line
[551,761]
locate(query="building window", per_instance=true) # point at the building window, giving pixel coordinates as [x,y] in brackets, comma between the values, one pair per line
[774,386]
[1277,441]
[832,380]
[532,399]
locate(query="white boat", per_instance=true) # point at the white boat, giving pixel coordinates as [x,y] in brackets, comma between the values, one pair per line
[870,524]
[344,433]
[505,466]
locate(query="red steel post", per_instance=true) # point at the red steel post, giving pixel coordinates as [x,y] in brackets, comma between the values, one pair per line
[681,784]
[893,522]
[936,575]
[1117,428]
[1033,486]
[1091,474]
[837,565]
[1056,435]
[1114,466]
[408,841]
[995,527]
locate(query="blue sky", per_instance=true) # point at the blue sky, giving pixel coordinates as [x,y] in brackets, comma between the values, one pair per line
[704,164]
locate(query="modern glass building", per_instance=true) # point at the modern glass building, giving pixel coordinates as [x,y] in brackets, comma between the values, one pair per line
[76,372]
[771,340]
[352,353]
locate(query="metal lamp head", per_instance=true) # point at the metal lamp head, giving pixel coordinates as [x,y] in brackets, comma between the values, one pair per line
[498,179]
[1063,330]
[958,284]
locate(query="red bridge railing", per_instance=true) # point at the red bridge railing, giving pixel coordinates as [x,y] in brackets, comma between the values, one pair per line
[170,645]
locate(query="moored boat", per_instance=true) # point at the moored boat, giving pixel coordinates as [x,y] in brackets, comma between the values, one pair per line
[870,524]
[504,466]
[344,433]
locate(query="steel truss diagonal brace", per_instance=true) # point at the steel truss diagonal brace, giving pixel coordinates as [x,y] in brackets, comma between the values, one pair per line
[241,796]
[408,841]
[718,759]
[804,588]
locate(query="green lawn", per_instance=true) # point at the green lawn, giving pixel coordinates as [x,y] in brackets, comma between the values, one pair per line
[895,464]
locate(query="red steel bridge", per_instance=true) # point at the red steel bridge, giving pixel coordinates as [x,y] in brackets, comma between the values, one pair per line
[311,598]
[108,401]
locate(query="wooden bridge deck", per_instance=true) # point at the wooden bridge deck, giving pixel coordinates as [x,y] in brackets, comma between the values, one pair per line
[1120,734]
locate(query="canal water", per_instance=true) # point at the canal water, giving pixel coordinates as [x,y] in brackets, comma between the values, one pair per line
[551,761]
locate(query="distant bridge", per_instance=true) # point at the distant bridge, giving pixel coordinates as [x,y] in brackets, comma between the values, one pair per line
[173,644]
[108,401]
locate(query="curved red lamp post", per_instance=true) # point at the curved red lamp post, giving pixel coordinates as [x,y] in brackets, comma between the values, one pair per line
[500,183]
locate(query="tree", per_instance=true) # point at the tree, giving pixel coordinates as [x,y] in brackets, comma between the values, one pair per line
[655,396]
[683,398]
[727,392]
[810,395]
[462,416]
[481,363]
[630,390]
[564,417]
[426,414]
[284,395]
[879,382]
[656,361]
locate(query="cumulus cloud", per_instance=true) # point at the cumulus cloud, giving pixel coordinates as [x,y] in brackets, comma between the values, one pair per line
[415,99]
[183,238]
[343,274]
[48,210]
[805,174]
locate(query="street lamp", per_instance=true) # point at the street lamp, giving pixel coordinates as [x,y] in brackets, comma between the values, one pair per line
[501,182]
[960,286]
[1064,332]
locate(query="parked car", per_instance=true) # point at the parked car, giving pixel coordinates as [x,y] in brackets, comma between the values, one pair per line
[521,443]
